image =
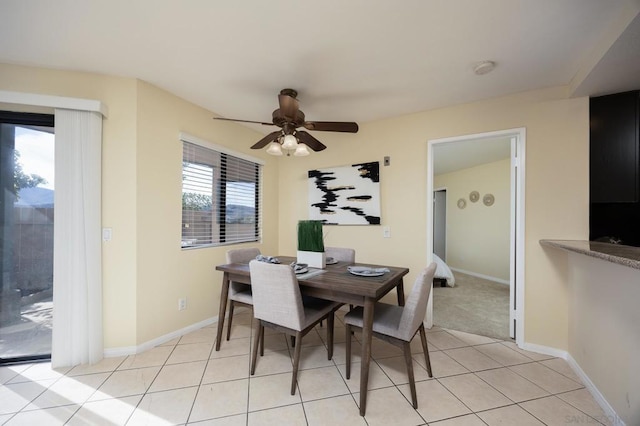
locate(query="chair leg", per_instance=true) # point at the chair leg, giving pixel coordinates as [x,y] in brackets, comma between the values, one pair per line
[348,350]
[231,306]
[262,341]
[425,348]
[293,341]
[330,320]
[406,347]
[259,329]
[296,363]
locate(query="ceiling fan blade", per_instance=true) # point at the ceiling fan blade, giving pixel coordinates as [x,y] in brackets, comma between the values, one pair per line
[243,121]
[332,126]
[310,141]
[288,105]
[266,140]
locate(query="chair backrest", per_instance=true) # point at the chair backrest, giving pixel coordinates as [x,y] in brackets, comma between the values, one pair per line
[244,255]
[276,294]
[415,306]
[341,254]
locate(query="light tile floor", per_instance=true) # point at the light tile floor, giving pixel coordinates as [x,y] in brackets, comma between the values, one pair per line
[478,381]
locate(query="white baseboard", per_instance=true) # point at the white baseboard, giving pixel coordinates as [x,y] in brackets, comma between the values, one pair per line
[610,414]
[545,350]
[132,350]
[484,277]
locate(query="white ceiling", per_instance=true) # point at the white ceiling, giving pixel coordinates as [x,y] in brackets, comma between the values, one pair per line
[450,157]
[357,60]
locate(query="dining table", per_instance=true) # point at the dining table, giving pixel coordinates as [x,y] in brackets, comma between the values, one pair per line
[336,283]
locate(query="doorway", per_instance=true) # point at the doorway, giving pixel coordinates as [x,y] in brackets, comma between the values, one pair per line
[26,235]
[514,251]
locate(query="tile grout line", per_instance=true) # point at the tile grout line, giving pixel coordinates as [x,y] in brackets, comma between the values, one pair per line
[199,386]
[152,381]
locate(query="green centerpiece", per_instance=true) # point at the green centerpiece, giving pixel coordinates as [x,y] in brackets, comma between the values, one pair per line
[311,243]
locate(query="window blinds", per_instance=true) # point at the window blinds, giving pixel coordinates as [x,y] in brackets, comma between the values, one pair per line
[220,197]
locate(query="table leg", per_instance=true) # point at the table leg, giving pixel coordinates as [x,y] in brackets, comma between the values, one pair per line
[400,290]
[367,327]
[224,294]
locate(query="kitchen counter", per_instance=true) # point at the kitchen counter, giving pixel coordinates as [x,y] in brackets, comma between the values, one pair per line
[614,253]
[603,318]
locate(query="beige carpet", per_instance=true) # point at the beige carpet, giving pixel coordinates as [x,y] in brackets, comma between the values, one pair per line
[474,305]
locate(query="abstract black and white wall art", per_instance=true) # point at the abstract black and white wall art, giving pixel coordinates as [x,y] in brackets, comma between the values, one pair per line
[347,195]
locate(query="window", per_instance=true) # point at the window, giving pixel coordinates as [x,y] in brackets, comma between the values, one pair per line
[220,197]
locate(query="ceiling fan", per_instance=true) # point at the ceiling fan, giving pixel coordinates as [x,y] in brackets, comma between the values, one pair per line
[289,118]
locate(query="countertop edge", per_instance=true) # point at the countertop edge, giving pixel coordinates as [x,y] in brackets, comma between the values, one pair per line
[619,254]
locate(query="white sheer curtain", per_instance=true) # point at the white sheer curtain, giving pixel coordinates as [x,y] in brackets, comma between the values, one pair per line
[77,276]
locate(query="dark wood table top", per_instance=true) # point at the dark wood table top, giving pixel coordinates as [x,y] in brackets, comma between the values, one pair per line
[335,278]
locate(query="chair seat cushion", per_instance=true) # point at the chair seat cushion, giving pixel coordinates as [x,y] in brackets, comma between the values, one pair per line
[314,309]
[242,296]
[386,319]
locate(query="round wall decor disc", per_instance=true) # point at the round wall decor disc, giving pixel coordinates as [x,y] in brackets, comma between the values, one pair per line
[488,200]
[462,203]
[474,196]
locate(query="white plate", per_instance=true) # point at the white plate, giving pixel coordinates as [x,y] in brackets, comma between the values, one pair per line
[302,271]
[366,272]
[330,261]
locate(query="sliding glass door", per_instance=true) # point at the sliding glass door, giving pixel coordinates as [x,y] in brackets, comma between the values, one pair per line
[26,235]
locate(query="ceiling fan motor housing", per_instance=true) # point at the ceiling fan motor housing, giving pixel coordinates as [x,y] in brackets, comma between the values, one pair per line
[281,121]
[289,92]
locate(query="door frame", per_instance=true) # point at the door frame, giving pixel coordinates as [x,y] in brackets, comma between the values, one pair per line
[441,189]
[517,233]
[22,119]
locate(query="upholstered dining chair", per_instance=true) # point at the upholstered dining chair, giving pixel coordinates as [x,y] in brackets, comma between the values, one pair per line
[277,304]
[341,254]
[398,325]
[239,293]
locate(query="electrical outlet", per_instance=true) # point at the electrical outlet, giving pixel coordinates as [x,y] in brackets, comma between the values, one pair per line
[182,304]
[387,161]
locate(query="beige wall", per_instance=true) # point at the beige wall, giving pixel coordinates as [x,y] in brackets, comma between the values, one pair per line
[603,329]
[165,271]
[118,187]
[478,235]
[145,271]
[557,152]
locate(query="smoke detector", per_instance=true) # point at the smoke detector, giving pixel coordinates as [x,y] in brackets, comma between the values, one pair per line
[484,67]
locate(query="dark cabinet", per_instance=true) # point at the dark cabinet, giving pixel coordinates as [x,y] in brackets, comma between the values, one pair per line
[614,213]
[614,148]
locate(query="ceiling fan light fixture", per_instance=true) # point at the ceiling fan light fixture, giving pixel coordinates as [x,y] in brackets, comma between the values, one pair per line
[289,142]
[301,150]
[274,149]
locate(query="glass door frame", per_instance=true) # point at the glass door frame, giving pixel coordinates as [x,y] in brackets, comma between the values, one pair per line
[7,166]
